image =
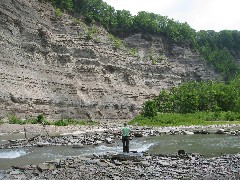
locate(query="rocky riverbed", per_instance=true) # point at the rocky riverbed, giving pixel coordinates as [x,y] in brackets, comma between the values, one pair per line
[80,136]
[131,166]
[135,165]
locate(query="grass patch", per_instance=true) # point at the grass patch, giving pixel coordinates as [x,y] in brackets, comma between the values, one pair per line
[117,43]
[133,51]
[75,20]
[91,32]
[175,119]
[12,119]
[41,120]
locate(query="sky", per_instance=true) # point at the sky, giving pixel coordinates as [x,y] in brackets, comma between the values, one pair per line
[214,15]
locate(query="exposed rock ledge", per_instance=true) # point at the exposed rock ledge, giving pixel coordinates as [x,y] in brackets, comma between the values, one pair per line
[47,66]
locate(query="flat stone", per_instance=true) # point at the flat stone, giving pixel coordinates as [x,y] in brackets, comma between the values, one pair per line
[145,163]
[102,164]
[164,163]
[117,162]
[78,145]
[43,167]
[16,172]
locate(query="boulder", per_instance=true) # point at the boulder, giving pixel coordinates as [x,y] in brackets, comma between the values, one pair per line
[78,145]
[129,156]
[42,144]
[43,167]
[109,140]
[138,134]
[220,131]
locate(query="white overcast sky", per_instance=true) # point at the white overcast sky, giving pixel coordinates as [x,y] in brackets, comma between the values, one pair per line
[214,15]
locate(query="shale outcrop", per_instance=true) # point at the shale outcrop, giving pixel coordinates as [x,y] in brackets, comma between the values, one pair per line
[63,68]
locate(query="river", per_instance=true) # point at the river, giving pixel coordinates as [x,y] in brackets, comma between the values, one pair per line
[208,145]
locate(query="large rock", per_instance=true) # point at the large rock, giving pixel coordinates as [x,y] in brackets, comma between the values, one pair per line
[127,157]
[78,145]
[42,144]
[44,167]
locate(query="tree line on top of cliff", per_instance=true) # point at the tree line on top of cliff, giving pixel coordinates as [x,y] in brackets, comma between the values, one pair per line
[220,49]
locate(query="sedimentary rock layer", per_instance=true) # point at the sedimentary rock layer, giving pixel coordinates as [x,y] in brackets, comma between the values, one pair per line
[49,65]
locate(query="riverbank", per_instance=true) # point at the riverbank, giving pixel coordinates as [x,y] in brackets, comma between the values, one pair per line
[35,135]
[80,136]
[133,165]
[6,128]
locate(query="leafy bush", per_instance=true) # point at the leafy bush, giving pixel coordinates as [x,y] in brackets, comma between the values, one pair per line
[192,97]
[152,58]
[117,43]
[90,33]
[231,116]
[12,119]
[132,51]
[149,109]
[58,12]
[40,118]
[75,20]
[60,123]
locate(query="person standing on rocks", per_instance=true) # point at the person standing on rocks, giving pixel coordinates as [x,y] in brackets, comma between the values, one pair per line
[125,138]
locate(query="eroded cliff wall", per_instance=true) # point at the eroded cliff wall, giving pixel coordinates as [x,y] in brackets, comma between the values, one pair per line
[49,65]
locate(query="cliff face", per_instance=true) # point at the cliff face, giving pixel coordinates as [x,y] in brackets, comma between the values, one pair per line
[64,69]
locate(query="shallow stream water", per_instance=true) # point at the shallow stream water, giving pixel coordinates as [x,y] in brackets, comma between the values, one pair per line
[207,145]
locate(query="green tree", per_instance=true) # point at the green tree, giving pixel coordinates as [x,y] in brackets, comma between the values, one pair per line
[63,4]
[164,102]
[124,22]
[149,109]
[195,96]
[146,22]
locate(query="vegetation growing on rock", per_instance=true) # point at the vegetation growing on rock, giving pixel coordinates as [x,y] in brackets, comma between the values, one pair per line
[220,49]
[95,76]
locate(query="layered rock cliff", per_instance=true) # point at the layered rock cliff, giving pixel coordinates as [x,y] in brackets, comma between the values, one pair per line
[59,66]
